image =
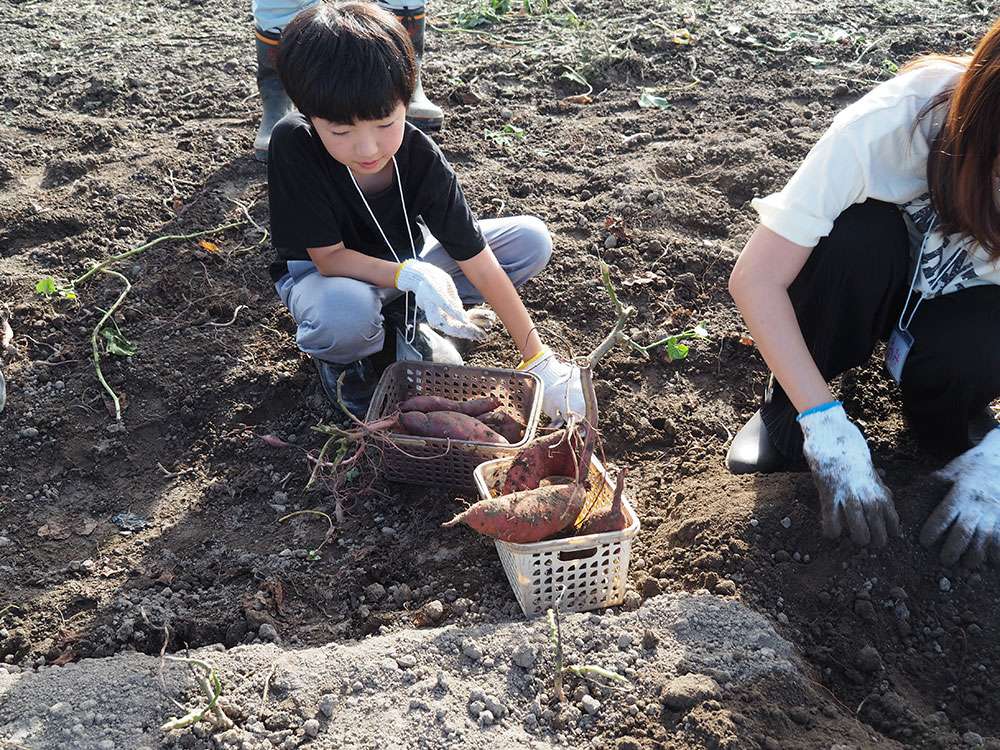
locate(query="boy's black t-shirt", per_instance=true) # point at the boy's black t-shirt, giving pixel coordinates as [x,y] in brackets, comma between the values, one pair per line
[314,202]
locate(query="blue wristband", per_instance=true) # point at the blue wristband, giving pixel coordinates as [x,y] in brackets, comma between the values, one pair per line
[817,409]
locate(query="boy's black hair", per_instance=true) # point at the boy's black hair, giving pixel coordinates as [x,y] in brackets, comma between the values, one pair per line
[346,62]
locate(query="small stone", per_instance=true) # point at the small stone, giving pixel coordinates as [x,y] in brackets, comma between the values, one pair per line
[971,739]
[782,556]
[486,719]
[944,584]
[375,592]
[632,601]
[650,640]
[472,651]
[725,587]
[4,541]
[624,642]
[609,243]
[106,745]
[869,660]
[495,707]
[689,690]
[408,661]
[59,709]
[782,618]
[433,610]
[267,632]
[786,522]
[402,594]
[864,609]
[525,656]
[460,606]
[29,433]
[326,704]
[590,704]
[311,727]
[476,708]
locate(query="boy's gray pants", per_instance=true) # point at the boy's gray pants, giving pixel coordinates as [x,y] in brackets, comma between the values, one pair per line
[340,319]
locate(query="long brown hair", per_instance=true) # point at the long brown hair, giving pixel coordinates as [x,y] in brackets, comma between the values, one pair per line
[963,157]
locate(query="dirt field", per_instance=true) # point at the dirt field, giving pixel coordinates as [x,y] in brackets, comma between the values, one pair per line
[121,122]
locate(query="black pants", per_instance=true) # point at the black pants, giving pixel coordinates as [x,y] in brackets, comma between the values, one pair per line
[849,295]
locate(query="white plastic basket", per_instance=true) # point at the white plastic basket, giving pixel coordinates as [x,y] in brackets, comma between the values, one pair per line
[588,572]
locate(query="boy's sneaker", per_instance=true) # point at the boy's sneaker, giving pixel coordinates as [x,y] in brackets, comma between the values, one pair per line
[360,380]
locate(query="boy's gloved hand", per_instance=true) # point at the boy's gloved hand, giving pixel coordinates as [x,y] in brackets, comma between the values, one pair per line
[563,392]
[436,295]
[850,491]
[971,508]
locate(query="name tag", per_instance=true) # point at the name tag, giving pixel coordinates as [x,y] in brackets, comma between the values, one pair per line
[405,351]
[896,353]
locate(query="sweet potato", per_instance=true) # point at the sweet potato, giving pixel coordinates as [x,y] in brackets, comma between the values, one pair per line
[608,519]
[524,517]
[542,457]
[427,404]
[504,423]
[449,424]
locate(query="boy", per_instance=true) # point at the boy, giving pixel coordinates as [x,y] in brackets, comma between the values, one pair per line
[348,177]
[271,16]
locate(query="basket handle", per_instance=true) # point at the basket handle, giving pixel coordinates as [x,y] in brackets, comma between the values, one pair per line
[577,554]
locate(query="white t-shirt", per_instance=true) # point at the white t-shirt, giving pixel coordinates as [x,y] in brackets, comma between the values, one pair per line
[872,150]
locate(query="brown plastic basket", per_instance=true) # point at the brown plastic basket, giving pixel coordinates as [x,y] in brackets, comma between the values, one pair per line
[438,461]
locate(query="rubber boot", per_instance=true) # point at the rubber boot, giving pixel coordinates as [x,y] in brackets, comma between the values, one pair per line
[273,100]
[421,111]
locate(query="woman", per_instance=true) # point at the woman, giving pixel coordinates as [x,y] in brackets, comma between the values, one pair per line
[890,229]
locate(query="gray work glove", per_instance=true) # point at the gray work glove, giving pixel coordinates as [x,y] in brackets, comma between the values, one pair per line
[971,509]
[435,294]
[850,490]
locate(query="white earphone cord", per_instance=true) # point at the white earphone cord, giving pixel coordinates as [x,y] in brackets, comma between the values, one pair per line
[411,328]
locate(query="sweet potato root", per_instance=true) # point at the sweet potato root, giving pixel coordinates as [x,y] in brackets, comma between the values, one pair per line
[427,404]
[524,517]
[449,424]
[608,519]
[504,423]
[542,457]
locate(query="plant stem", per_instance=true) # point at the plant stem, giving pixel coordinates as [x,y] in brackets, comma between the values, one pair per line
[95,349]
[153,243]
[555,634]
[623,313]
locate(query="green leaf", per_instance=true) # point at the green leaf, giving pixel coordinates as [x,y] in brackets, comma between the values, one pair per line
[572,75]
[46,286]
[117,344]
[676,350]
[647,100]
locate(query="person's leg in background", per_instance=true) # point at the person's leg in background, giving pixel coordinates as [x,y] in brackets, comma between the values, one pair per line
[340,326]
[270,17]
[421,111]
[953,371]
[846,298]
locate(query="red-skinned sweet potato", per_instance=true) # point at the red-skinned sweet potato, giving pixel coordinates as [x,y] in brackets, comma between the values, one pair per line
[612,518]
[542,457]
[427,404]
[504,423]
[524,517]
[449,424]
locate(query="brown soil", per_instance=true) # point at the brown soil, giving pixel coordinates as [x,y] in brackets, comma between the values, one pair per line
[121,122]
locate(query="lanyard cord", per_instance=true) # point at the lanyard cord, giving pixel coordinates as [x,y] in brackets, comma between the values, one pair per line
[411,328]
[955,259]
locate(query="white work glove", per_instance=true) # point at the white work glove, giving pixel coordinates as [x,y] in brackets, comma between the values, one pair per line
[971,508]
[850,490]
[563,392]
[436,295]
